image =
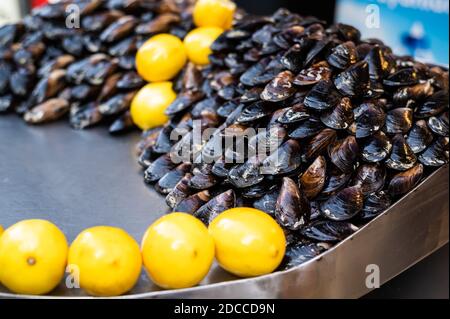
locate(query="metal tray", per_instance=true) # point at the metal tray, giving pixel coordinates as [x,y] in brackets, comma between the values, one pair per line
[79,179]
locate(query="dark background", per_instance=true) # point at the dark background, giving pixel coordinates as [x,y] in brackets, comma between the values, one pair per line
[323,9]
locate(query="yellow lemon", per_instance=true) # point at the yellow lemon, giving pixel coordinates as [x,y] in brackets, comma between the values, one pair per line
[214,13]
[248,242]
[33,256]
[177,251]
[106,259]
[160,58]
[198,43]
[148,105]
[1,230]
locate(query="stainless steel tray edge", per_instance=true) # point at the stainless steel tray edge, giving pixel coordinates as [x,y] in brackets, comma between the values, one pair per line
[406,233]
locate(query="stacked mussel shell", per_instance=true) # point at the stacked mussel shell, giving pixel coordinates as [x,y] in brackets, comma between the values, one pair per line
[355,127]
[77,57]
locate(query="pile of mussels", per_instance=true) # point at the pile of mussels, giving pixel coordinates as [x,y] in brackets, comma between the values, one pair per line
[51,67]
[357,127]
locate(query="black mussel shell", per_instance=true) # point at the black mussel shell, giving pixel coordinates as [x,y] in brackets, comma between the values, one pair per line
[183,101]
[312,75]
[124,123]
[353,81]
[6,102]
[256,111]
[268,140]
[180,191]
[316,52]
[163,144]
[306,129]
[419,137]
[369,119]
[315,211]
[202,177]
[340,117]
[336,180]
[328,230]
[402,157]
[85,116]
[257,191]
[296,113]
[403,77]
[249,77]
[440,77]
[376,148]
[166,184]
[294,58]
[251,95]
[348,33]
[370,177]
[375,204]
[158,168]
[247,174]
[437,154]
[374,90]
[220,168]
[292,209]
[280,88]
[343,153]
[434,105]
[399,120]
[343,205]
[343,55]
[380,63]
[319,143]
[323,96]
[300,252]
[405,181]
[192,203]
[439,124]
[284,160]
[145,157]
[416,92]
[215,206]
[227,108]
[313,179]
[267,202]
[130,80]
[116,104]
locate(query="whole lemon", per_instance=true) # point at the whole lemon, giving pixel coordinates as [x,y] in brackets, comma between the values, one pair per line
[198,43]
[248,242]
[177,251]
[160,58]
[214,13]
[106,259]
[148,105]
[1,230]
[33,256]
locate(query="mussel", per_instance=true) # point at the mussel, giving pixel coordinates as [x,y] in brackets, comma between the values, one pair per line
[313,179]
[292,209]
[402,156]
[403,182]
[344,153]
[343,205]
[215,206]
[328,230]
[375,204]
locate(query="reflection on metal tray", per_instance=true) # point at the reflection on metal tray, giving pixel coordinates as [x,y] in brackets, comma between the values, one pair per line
[79,179]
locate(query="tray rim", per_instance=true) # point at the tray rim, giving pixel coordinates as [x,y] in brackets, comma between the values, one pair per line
[252,280]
